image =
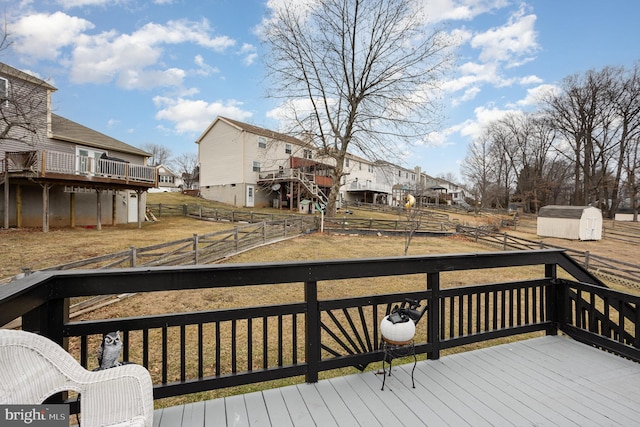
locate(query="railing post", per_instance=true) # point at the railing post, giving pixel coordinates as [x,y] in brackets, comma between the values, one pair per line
[196,259]
[133,257]
[433,315]
[552,299]
[312,331]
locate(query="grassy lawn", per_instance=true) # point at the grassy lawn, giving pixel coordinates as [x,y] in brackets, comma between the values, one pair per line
[34,249]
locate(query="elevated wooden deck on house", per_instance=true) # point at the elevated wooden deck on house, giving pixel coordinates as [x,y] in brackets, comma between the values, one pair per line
[547,381]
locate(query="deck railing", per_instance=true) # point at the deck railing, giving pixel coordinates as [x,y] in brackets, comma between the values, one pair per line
[315,331]
[49,161]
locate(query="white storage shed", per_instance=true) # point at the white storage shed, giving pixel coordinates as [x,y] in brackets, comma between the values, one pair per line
[570,222]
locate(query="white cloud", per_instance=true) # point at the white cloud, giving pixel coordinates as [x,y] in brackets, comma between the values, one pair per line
[249,53]
[204,69]
[43,35]
[127,57]
[68,4]
[442,10]
[483,117]
[193,116]
[537,94]
[510,43]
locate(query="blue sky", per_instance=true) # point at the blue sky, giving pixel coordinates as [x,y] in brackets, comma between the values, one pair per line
[160,71]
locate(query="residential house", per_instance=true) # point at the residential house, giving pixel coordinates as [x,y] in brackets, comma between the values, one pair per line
[168,181]
[245,165]
[55,172]
[362,183]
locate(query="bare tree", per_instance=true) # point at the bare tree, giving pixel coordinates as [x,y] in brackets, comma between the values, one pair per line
[159,154]
[478,169]
[187,165]
[358,76]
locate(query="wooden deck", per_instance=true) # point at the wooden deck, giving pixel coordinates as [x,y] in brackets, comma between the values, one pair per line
[544,381]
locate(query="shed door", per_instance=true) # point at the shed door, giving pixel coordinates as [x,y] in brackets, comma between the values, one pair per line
[591,228]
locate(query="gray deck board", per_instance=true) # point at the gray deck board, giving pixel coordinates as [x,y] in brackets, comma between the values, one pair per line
[547,381]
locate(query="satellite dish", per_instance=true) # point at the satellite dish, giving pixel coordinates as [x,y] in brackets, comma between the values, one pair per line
[276,187]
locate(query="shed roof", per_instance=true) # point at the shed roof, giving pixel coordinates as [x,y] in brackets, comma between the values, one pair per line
[558,211]
[67,130]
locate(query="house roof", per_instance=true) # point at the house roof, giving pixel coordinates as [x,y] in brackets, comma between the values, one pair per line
[566,212]
[8,70]
[254,130]
[67,130]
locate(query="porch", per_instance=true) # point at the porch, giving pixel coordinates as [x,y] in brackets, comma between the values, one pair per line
[546,381]
[46,171]
[589,378]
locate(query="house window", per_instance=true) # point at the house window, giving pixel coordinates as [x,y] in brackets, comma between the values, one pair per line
[307,154]
[346,163]
[4,91]
[262,142]
[370,168]
[359,165]
[287,148]
[166,179]
[256,166]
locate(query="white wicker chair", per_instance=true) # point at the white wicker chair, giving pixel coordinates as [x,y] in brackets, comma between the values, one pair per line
[33,367]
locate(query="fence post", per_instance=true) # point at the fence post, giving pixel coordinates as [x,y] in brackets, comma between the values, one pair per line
[200,211]
[196,258]
[235,237]
[185,210]
[433,314]
[312,331]
[541,244]
[133,257]
[504,242]
[586,260]
[284,231]
[476,232]
[264,231]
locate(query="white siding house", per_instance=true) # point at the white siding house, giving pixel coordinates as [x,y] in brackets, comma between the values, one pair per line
[570,222]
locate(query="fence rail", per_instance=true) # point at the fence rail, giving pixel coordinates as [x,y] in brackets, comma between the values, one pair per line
[205,350]
[621,272]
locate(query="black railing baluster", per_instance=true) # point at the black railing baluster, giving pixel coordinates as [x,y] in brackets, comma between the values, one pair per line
[200,350]
[265,343]
[294,339]
[164,355]
[125,345]
[234,348]
[280,344]
[183,350]
[217,351]
[145,348]
[503,309]
[487,304]
[83,351]
[250,344]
